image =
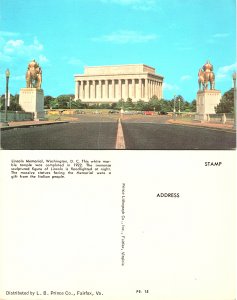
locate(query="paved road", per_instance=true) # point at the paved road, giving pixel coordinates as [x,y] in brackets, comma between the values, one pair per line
[62,137]
[139,133]
[175,137]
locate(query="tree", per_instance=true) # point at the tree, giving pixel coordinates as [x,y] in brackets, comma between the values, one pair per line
[120,104]
[93,105]
[186,106]
[49,102]
[193,106]
[129,105]
[179,103]
[105,106]
[154,103]
[14,103]
[2,102]
[54,104]
[78,103]
[140,105]
[63,101]
[113,105]
[167,105]
[226,104]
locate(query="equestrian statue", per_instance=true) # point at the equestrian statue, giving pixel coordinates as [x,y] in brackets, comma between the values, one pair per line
[205,76]
[33,75]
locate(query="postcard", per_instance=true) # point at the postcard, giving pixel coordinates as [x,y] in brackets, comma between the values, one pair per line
[118,150]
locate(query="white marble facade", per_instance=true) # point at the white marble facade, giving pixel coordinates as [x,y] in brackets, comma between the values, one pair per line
[112,83]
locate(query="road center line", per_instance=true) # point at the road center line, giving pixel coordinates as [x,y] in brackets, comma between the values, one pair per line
[120,143]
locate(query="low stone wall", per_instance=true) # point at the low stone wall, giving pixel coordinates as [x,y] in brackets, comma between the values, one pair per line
[227,118]
[222,118]
[16,116]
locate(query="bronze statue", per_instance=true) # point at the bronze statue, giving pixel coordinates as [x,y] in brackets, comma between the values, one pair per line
[200,78]
[206,75]
[33,75]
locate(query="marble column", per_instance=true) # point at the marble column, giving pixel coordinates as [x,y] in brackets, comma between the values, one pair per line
[91,89]
[126,89]
[146,88]
[120,89]
[133,89]
[113,88]
[151,88]
[93,93]
[100,90]
[79,89]
[82,89]
[87,90]
[106,89]
[140,88]
[76,90]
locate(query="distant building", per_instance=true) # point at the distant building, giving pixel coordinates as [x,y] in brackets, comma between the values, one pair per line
[112,83]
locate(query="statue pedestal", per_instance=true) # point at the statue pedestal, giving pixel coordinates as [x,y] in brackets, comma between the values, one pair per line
[207,100]
[32,100]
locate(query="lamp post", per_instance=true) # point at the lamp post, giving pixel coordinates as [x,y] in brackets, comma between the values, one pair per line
[179,106]
[174,108]
[7,73]
[174,104]
[234,80]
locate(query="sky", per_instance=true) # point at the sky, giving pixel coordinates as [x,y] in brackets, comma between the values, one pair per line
[173,36]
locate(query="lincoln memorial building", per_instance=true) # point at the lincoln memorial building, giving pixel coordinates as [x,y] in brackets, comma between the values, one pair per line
[112,83]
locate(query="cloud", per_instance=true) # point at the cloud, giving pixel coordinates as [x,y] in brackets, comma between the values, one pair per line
[18,78]
[217,37]
[19,47]
[8,33]
[126,36]
[185,48]
[75,62]
[185,77]
[4,57]
[220,35]
[225,71]
[170,87]
[13,48]
[144,5]
[43,58]
[122,2]
[12,45]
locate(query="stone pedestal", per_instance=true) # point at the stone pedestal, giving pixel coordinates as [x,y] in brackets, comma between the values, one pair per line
[207,101]
[32,100]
